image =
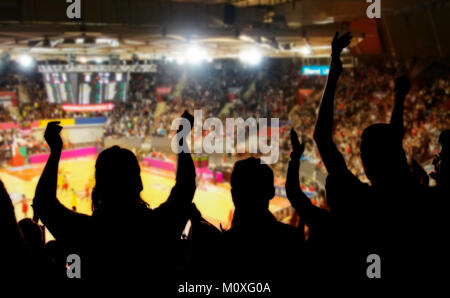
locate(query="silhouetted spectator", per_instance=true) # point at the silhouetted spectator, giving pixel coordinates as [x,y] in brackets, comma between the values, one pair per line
[380,218]
[14,252]
[259,247]
[124,239]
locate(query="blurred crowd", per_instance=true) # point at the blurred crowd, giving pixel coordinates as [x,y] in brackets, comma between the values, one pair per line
[276,89]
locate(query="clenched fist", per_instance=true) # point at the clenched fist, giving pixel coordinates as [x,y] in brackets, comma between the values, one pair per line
[52,136]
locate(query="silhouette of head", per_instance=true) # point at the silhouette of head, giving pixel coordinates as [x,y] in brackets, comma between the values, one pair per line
[118,179]
[382,153]
[252,187]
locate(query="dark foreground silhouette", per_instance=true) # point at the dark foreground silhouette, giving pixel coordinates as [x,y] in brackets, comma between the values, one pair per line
[392,217]
[115,242]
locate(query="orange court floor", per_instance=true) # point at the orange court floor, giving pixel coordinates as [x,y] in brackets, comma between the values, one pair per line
[76,180]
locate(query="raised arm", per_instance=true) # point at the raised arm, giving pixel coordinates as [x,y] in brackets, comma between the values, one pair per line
[185,176]
[46,188]
[299,201]
[402,87]
[182,193]
[45,204]
[176,210]
[332,158]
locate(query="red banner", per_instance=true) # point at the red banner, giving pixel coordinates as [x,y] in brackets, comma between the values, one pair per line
[10,96]
[302,94]
[88,108]
[163,90]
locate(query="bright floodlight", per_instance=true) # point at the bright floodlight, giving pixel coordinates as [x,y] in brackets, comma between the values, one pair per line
[306,50]
[83,60]
[195,55]
[26,60]
[180,60]
[251,56]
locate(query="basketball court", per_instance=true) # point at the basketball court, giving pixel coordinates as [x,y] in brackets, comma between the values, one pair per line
[76,180]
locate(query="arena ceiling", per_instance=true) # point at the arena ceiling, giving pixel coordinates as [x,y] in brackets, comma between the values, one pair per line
[153,29]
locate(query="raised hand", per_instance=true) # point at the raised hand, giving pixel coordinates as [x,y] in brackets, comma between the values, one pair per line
[52,136]
[189,117]
[186,115]
[182,131]
[402,86]
[297,148]
[339,43]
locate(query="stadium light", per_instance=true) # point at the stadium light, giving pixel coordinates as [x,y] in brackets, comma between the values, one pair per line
[26,60]
[195,55]
[250,56]
[246,38]
[306,50]
[115,43]
[110,41]
[83,60]
[180,60]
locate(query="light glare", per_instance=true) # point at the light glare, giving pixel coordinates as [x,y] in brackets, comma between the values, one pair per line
[26,60]
[251,57]
[306,50]
[195,55]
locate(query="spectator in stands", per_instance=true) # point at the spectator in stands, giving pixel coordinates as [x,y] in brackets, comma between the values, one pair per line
[116,196]
[318,220]
[14,252]
[246,249]
[377,218]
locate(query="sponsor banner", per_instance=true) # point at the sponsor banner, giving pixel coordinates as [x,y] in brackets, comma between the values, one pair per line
[8,98]
[305,92]
[92,120]
[63,122]
[9,125]
[159,164]
[66,154]
[315,70]
[163,90]
[88,108]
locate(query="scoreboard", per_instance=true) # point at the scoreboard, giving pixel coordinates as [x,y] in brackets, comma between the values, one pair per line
[86,88]
[58,88]
[102,87]
[87,84]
